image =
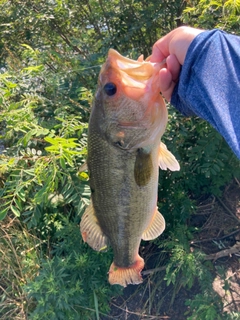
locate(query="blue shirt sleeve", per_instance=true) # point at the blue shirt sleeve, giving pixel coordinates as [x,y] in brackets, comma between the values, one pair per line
[209,84]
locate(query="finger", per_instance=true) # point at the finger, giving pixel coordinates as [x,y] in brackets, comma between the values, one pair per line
[173,66]
[160,50]
[166,83]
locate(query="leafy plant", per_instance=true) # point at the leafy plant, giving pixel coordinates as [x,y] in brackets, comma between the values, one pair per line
[73,283]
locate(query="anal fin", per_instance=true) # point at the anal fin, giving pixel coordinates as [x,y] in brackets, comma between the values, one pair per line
[166,159]
[91,231]
[126,275]
[155,228]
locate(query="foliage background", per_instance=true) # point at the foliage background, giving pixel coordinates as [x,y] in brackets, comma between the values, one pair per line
[50,56]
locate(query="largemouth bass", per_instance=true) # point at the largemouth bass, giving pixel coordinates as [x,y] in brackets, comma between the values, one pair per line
[125,151]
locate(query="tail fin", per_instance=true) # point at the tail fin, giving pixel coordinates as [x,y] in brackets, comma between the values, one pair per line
[126,275]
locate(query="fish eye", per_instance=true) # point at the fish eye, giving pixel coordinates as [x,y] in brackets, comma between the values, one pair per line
[110,88]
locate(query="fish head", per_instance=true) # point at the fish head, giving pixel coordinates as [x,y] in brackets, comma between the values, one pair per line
[133,112]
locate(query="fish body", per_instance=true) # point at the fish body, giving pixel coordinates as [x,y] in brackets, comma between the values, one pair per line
[126,123]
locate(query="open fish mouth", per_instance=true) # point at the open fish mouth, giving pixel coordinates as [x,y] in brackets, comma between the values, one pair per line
[134,73]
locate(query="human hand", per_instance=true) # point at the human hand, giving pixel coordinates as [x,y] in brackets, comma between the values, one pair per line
[173,47]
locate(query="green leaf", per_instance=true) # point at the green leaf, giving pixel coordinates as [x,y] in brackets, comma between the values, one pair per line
[18,203]
[27,47]
[15,210]
[62,163]
[96,305]
[3,213]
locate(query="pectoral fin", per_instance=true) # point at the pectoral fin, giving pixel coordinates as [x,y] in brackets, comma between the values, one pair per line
[91,231]
[143,167]
[166,159]
[155,228]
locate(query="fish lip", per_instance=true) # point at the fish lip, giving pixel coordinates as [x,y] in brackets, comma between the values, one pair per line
[132,70]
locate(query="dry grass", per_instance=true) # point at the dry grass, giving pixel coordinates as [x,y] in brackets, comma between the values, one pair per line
[18,264]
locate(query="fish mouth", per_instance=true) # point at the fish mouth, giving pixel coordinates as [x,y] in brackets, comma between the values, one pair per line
[134,73]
